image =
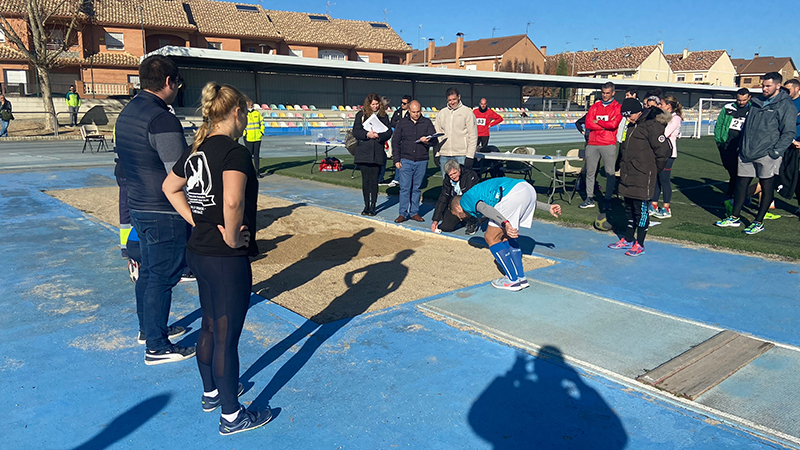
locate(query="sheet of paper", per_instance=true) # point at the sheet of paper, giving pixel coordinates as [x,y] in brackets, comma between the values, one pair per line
[374,124]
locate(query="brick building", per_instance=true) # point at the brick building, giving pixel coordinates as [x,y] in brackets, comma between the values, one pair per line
[492,54]
[750,71]
[114,34]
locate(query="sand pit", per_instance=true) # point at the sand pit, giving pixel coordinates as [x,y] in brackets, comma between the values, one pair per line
[326,265]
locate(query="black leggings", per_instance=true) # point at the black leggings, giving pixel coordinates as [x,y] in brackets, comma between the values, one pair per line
[369,183]
[663,184]
[767,195]
[224,283]
[638,220]
[730,161]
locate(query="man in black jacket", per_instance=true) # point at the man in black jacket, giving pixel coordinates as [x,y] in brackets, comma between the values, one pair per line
[459,180]
[410,146]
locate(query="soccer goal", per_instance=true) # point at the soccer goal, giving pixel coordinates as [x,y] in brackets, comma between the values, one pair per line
[707,111]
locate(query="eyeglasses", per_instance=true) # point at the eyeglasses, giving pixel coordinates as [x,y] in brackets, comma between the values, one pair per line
[178,82]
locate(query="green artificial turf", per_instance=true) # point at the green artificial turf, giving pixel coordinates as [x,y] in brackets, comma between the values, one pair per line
[698,180]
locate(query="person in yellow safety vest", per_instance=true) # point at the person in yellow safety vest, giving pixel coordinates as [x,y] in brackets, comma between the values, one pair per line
[73,104]
[253,134]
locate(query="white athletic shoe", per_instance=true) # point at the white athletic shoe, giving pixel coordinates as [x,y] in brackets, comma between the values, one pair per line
[505,283]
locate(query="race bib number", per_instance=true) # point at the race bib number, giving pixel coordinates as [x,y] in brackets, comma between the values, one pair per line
[604,118]
[481,121]
[737,123]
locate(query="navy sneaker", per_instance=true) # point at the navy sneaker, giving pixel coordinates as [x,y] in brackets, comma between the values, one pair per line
[173,353]
[212,403]
[245,421]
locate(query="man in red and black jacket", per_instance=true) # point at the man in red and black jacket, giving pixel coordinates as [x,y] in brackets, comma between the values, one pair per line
[485,118]
[602,121]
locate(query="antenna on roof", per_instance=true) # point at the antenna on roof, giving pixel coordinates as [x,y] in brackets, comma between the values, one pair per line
[385,13]
[625,41]
[493,30]
[328,7]
[528,25]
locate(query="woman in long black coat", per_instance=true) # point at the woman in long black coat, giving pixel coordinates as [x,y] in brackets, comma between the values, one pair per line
[370,154]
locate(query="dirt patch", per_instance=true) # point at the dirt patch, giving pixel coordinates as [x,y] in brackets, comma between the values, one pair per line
[326,265]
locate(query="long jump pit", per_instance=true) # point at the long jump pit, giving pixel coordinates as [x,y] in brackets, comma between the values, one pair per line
[326,265]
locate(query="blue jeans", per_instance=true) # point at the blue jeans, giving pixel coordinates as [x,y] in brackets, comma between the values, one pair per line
[443,159]
[3,128]
[410,177]
[162,239]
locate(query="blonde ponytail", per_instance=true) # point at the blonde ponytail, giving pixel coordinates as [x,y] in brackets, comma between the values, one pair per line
[216,102]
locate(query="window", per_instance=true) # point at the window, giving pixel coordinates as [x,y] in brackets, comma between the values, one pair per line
[680,78]
[626,55]
[698,77]
[363,58]
[163,43]
[134,80]
[215,45]
[747,81]
[334,55]
[115,41]
[246,8]
[2,36]
[471,67]
[318,18]
[296,53]
[251,50]
[494,42]
[378,25]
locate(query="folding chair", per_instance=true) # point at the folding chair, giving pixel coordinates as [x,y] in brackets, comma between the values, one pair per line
[90,133]
[571,171]
[520,167]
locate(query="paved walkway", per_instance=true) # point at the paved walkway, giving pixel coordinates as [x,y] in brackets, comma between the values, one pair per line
[74,377]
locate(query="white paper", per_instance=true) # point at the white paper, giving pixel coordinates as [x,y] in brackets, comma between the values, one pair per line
[374,124]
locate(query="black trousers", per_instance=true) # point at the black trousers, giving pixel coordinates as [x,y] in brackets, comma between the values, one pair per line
[224,284]
[730,162]
[255,153]
[638,220]
[483,141]
[369,183]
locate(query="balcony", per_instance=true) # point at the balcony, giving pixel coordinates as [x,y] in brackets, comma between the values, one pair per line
[106,89]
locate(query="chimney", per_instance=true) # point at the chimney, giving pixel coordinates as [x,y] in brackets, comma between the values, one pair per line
[685,53]
[431,50]
[543,49]
[756,56]
[459,48]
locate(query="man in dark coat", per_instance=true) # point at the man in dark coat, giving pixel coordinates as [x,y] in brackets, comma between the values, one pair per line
[644,153]
[410,153]
[459,180]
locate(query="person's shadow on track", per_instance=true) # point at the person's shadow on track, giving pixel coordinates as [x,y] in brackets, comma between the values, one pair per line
[127,422]
[543,403]
[332,253]
[365,286]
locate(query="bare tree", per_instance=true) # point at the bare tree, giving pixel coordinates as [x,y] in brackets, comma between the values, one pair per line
[51,28]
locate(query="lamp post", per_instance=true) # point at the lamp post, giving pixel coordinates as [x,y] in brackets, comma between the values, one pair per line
[141,19]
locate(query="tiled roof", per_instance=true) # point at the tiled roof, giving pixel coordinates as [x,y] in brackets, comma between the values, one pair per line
[621,58]
[764,64]
[298,28]
[372,35]
[740,64]
[64,8]
[472,49]
[229,19]
[698,61]
[154,13]
[113,59]
[8,53]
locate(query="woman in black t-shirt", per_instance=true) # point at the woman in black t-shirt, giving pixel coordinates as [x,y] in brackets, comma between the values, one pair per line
[370,155]
[213,186]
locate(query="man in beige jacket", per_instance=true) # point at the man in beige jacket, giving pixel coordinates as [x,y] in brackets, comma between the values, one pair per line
[460,139]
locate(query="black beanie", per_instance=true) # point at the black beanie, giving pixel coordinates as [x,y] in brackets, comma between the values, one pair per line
[630,106]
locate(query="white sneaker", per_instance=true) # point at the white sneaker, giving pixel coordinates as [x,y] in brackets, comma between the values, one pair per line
[393,183]
[505,283]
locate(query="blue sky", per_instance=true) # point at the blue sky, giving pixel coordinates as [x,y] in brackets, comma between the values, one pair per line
[700,24]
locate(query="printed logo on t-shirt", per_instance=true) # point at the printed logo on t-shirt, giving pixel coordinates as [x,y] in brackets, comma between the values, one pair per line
[198,183]
[737,123]
[481,121]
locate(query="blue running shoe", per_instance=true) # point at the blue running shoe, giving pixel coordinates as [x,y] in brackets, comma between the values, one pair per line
[754,228]
[212,403]
[621,245]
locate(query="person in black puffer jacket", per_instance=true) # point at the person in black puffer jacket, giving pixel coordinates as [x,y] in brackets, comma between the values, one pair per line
[645,152]
[459,180]
[370,154]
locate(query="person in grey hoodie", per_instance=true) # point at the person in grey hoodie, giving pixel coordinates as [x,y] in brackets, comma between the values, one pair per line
[768,132]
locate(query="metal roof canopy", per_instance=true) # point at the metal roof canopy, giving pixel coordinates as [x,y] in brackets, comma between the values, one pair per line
[220,59]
